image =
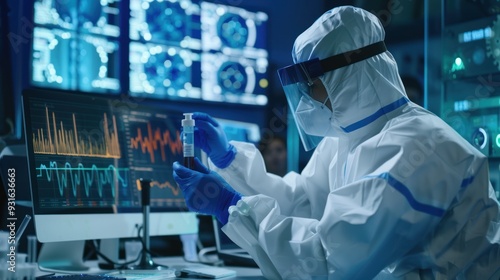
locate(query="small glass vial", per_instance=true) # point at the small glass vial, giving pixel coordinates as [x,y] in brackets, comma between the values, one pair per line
[188,140]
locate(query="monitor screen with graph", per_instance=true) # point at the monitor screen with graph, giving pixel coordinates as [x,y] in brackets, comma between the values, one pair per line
[86,154]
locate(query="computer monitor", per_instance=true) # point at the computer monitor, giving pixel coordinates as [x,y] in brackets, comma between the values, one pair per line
[240,131]
[86,154]
[76,45]
[176,49]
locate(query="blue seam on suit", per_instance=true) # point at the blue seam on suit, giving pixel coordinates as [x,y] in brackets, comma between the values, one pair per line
[380,112]
[467,181]
[418,206]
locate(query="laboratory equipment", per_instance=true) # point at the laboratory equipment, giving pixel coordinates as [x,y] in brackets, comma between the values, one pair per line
[470,68]
[146,262]
[188,139]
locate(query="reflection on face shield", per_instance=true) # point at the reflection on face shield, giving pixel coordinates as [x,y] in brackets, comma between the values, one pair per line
[313,116]
[304,88]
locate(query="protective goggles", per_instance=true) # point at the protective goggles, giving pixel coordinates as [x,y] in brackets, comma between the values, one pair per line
[297,80]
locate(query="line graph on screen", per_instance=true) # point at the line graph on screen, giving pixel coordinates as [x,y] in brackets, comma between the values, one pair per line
[156,142]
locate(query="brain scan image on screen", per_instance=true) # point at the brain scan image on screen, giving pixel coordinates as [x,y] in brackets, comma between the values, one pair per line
[96,17]
[172,22]
[90,63]
[157,71]
[233,30]
[231,79]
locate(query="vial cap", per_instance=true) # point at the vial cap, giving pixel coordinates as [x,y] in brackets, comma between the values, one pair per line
[188,119]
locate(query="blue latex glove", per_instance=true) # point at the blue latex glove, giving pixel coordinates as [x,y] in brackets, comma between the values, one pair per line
[205,191]
[210,137]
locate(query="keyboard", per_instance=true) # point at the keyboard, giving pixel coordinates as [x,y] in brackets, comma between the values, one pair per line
[144,274]
[211,272]
[79,277]
[116,275]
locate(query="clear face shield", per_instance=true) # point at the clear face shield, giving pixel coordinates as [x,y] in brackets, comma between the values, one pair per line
[297,80]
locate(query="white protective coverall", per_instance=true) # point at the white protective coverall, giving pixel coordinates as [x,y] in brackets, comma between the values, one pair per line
[398,194]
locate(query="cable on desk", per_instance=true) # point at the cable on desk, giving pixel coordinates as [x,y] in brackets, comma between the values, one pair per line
[202,255]
[112,264]
[139,229]
[204,259]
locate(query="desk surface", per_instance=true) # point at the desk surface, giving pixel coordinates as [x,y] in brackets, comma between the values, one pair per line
[178,262]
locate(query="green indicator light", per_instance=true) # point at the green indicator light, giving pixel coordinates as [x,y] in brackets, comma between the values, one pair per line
[458,65]
[497,140]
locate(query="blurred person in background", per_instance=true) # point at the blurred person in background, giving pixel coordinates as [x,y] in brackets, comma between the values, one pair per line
[274,152]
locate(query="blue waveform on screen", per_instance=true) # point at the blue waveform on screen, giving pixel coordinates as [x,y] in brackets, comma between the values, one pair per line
[69,176]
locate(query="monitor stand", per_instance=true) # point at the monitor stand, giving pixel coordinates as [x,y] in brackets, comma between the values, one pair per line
[146,262]
[67,256]
[64,256]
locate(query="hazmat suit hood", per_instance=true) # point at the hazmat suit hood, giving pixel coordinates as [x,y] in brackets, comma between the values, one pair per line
[363,95]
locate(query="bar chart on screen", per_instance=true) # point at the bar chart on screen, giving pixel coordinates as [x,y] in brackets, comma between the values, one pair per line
[79,156]
[56,138]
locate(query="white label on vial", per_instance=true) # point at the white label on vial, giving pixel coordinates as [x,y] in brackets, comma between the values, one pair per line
[188,150]
[188,142]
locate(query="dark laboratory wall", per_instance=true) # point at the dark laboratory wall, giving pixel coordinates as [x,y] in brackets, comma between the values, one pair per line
[19,38]
[6,98]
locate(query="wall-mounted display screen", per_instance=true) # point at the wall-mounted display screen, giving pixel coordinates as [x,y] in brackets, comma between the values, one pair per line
[76,45]
[234,58]
[163,71]
[163,49]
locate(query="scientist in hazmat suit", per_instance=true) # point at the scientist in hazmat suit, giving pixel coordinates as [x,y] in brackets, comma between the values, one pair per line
[390,192]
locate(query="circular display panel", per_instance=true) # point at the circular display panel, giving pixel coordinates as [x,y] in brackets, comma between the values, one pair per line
[232,30]
[166,20]
[232,77]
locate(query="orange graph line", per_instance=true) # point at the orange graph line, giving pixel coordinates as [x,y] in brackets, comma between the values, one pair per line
[156,140]
[175,190]
[60,141]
